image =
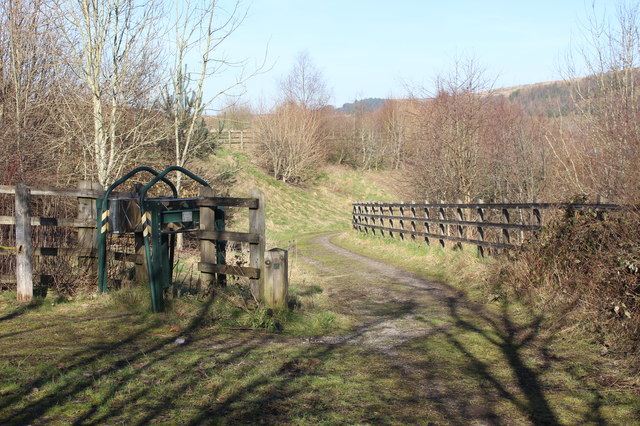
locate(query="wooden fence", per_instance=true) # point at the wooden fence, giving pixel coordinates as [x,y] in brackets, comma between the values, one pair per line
[85,224]
[489,226]
[246,140]
[208,236]
[86,249]
[238,140]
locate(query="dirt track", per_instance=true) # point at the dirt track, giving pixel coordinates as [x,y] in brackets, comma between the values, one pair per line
[411,295]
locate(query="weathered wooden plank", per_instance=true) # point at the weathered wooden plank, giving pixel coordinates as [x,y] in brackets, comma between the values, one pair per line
[50,251]
[24,252]
[51,221]
[127,257]
[141,259]
[87,237]
[251,203]
[39,278]
[276,278]
[207,247]
[240,237]
[239,271]
[55,192]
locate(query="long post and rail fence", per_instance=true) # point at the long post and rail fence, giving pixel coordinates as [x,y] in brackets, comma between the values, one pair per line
[491,227]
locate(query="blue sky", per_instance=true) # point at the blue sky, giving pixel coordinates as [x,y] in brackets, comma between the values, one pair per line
[374,48]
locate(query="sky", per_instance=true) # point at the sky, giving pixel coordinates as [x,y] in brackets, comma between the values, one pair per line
[369,49]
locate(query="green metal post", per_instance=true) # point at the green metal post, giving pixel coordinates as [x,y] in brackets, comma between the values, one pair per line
[164,261]
[156,259]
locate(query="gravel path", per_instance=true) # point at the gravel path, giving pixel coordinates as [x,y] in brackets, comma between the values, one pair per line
[397,302]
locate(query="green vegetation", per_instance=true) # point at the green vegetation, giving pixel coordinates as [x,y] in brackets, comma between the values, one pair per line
[497,342]
[363,343]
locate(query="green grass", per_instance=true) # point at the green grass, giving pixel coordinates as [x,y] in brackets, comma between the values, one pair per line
[108,360]
[319,206]
[113,365]
[503,346]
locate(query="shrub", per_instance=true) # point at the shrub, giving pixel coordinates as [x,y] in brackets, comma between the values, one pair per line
[583,270]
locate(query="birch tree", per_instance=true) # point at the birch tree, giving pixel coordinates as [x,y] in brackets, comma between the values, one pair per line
[116,43]
[292,136]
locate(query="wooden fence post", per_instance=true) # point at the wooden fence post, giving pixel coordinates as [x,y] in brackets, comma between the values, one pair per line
[257,219]
[600,214]
[24,254]
[506,218]
[276,278]
[413,220]
[427,225]
[353,217]
[87,237]
[460,228]
[444,231]
[480,219]
[207,247]
[402,220]
[373,219]
[537,217]
[390,221]
[365,209]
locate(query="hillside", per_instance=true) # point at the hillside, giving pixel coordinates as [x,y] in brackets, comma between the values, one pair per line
[551,98]
[362,106]
[321,205]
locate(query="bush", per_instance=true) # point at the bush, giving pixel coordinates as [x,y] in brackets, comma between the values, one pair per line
[584,271]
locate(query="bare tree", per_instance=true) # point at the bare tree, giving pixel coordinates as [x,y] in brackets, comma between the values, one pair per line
[449,134]
[201,26]
[292,136]
[600,149]
[366,135]
[116,42]
[30,55]
[291,144]
[305,85]
[393,120]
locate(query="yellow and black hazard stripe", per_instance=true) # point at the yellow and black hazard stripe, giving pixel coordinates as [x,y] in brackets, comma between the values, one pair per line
[104,228]
[145,221]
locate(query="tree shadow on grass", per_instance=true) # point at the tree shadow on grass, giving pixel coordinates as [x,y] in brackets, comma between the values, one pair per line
[505,360]
[73,379]
[19,310]
[257,377]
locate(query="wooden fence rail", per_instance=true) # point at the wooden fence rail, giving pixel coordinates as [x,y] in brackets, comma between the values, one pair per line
[496,226]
